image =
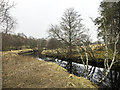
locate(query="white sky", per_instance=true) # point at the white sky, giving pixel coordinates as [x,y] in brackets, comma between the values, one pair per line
[34,17]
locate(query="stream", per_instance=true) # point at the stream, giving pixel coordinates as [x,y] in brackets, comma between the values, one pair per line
[95,73]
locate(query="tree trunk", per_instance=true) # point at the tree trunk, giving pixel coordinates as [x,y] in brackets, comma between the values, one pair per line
[119,28]
[69,57]
[70,67]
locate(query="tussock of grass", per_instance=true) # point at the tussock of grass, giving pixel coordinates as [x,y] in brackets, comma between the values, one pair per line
[27,72]
[80,82]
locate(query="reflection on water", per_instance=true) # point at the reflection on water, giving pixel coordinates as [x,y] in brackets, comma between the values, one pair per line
[95,73]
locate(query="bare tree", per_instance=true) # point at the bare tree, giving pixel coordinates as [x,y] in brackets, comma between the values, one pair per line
[69,30]
[6,20]
[53,43]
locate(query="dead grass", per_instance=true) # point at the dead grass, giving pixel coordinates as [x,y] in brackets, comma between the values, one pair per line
[28,72]
[99,53]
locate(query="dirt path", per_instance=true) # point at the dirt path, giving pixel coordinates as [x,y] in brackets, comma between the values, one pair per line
[28,72]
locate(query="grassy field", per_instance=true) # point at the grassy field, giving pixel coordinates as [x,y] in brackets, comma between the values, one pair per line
[27,72]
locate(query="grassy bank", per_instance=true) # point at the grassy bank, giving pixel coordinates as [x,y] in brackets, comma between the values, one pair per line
[96,57]
[27,72]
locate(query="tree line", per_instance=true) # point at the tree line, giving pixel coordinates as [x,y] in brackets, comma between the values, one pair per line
[21,41]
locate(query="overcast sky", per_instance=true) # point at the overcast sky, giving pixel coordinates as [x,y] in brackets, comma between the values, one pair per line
[34,17]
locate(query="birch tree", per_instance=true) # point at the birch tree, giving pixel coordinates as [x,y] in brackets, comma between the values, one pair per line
[107,63]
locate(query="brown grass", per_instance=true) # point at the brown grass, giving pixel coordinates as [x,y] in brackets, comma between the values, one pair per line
[28,72]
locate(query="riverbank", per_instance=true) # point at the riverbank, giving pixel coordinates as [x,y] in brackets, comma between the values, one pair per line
[97,59]
[27,72]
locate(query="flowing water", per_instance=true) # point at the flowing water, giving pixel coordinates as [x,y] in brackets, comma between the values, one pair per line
[95,73]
